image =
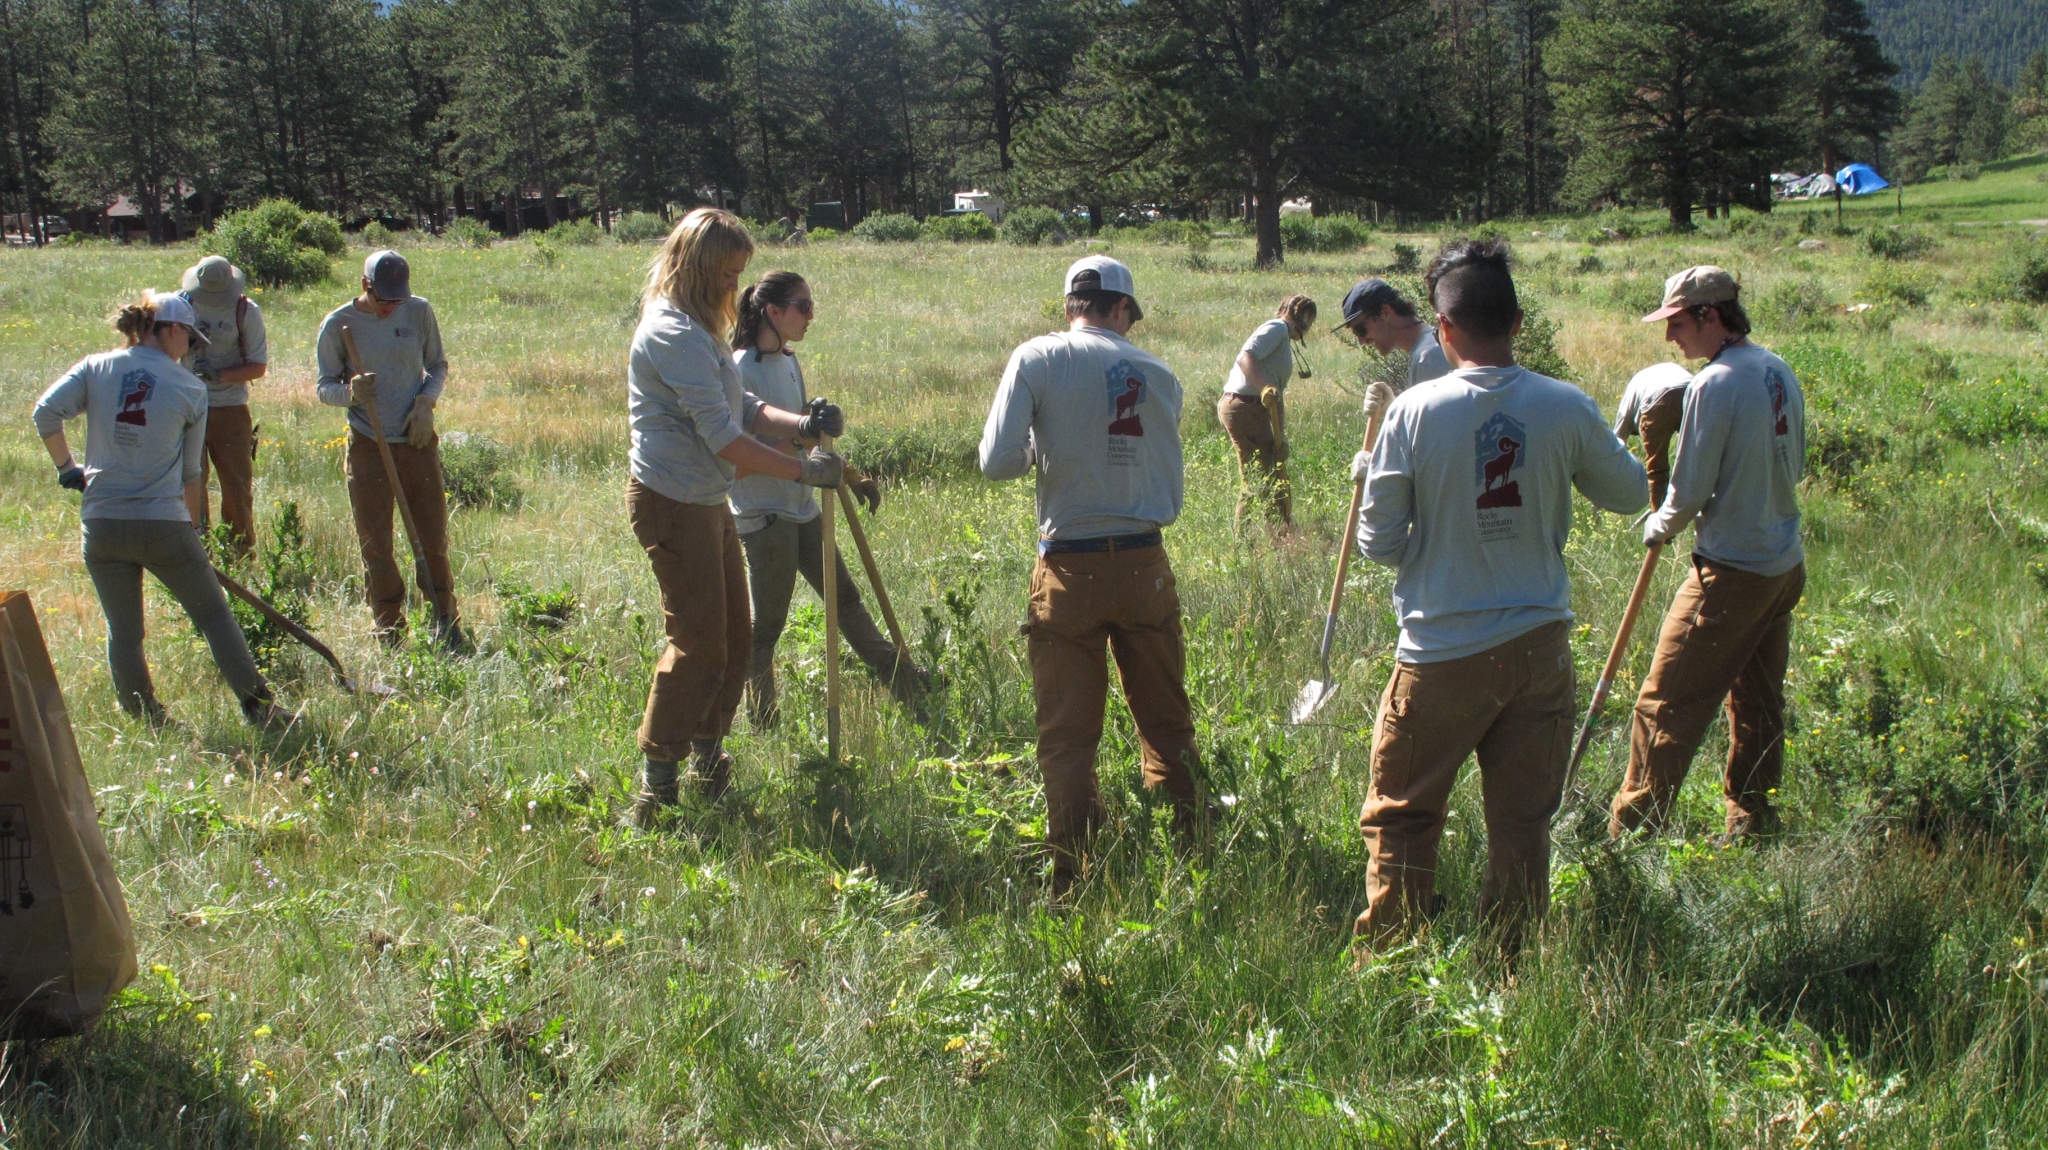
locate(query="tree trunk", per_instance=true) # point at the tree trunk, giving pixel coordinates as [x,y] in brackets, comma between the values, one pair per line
[1094,218]
[1266,216]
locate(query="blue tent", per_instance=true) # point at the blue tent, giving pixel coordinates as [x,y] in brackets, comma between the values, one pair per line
[1859,179]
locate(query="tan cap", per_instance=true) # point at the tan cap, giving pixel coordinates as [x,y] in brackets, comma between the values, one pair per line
[1695,286]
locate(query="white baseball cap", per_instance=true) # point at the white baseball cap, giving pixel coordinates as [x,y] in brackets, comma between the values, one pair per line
[174,308]
[1100,273]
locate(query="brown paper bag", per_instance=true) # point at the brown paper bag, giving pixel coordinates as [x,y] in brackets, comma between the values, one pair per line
[66,944]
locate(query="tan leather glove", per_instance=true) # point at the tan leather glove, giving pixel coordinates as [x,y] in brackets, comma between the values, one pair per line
[419,423]
[1378,398]
[863,488]
[362,389]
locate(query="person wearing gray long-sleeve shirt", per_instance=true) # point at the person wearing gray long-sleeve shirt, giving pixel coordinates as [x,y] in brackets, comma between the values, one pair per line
[1728,635]
[1099,418]
[401,373]
[1469,497]
[145,418]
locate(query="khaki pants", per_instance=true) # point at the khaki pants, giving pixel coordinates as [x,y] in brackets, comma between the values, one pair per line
[1513,704]
[1126,600]
[695,550]
[1728,636]
[1657,424]
[231,450]
[1261,480]
[117,552]
[369,495]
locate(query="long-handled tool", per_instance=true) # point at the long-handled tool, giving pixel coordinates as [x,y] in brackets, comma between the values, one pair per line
[420,570]
[829,558]
[304,636]
[1615,653]
[867,560]
[1317,692]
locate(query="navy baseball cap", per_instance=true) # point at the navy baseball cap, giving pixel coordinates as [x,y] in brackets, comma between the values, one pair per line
[1365,299]
[389,275]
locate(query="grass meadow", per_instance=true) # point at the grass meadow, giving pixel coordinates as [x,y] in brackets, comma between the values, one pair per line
[412,921]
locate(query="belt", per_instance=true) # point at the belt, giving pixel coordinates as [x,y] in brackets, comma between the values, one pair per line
[1099,544]
[1240,398]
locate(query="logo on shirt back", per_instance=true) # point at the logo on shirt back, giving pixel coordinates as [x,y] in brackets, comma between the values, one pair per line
[136,387]
[1126,386]
[1499,447]
[1776,385]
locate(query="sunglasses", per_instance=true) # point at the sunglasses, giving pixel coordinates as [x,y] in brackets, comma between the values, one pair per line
[802,305]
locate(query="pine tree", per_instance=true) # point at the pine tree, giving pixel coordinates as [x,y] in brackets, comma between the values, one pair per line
[1005,61]
[1674,101]
[1959,117]
[1847,80]
[130,122]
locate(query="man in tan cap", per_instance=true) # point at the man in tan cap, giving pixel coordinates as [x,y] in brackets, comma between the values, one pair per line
[1728,635]
[236,355]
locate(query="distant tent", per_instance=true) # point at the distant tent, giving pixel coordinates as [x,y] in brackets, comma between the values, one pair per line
[1860,179]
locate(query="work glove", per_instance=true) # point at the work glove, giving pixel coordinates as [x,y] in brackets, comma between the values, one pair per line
[865,489]
[1361,466]
[1652,535]
[71,477]
[1378,398]
[362,389]
[419,423]
[821,468]
[824,419]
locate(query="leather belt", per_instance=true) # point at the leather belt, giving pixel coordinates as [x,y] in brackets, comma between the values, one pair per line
[1100,544]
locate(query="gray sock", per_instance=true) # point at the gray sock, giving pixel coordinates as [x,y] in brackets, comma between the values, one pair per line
[660,774]
[707,749]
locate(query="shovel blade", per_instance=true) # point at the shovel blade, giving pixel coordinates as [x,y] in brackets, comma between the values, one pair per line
[1315,694]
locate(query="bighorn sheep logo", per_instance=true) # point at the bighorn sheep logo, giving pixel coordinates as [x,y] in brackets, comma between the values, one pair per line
[136,387]
[1126,391]
[1501,447]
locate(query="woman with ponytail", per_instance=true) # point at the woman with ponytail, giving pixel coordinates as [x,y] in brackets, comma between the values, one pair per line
[690,420]
[778,520]
[144,488]
[1253,408]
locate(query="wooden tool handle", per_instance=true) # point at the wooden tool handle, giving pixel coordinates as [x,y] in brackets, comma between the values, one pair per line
[867,559]
[829,581]
[1615,654]
[282,620]
[421,571]
[1350,540]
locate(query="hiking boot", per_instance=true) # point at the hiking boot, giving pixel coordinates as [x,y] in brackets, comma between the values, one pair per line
[1747,826]
[658,789]
[389,638]
[452,638]
[260,712]
[711,776]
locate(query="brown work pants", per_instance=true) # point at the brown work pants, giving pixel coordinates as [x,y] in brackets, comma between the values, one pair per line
[231,450]
[1657,424]
[1728,636]
[1261,480]
[1126,600]
[1513,705]
[369,495]
[695,550]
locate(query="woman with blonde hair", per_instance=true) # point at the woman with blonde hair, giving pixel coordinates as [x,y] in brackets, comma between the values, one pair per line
[691,421]
[1253,408]
[144,488]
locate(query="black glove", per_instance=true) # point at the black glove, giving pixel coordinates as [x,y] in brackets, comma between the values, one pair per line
[824,419]
[71,477]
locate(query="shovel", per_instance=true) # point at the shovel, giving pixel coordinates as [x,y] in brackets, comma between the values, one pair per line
[867,559]
[421,573]
[1316,694]
[829,554]
[1605,686]
[278,617]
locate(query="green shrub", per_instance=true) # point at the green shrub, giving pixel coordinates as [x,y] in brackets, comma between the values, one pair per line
[1407,258]
[376,236]
[277,243]
[819,234]
[474,469]
[1984,413]
[642,228]
[282,576]
[2021,273]
[1032,224]
[1795,305]
[967,228]
[1636,296]
[888,228]
[576,234]
[536,610]
[770,231]
[1332,233]
[1897,243]
[1895,285]
[470,232]
[1536,343]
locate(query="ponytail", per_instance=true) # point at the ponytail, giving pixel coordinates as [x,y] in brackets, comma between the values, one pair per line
[775,289]
[136,320]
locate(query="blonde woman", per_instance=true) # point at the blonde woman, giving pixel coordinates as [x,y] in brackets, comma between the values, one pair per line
[1253,405]
[691,421]
[143,487]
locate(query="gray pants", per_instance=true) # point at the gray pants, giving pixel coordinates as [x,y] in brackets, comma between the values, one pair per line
[117,552]
[776,554]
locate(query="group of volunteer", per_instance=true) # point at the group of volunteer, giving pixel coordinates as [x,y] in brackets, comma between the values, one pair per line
[1467,497]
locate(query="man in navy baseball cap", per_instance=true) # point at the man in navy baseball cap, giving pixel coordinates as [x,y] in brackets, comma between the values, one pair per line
[387,276]
[1377,314]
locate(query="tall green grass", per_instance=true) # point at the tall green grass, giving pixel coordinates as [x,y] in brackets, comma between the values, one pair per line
[413,922]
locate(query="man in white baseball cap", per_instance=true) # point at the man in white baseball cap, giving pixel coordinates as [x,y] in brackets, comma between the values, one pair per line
[236,354]
[1728,635]
[1099,420]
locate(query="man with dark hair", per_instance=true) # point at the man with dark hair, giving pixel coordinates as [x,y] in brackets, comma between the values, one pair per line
[1469,499]
[1728,635]
[1099,420]
[1378,315]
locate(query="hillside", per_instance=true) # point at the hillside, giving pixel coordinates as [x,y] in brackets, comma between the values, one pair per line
[1915,33]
